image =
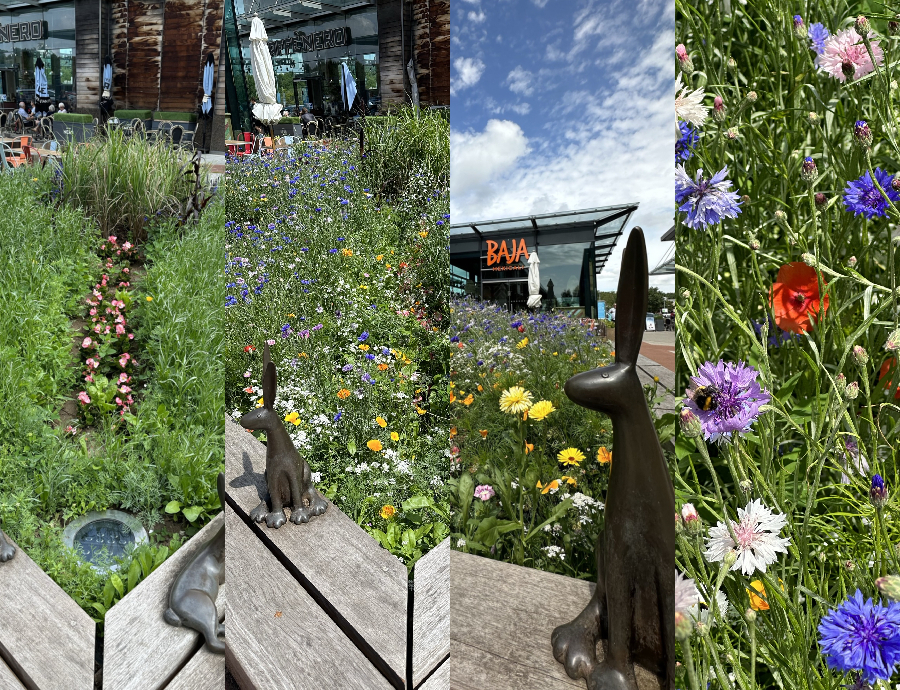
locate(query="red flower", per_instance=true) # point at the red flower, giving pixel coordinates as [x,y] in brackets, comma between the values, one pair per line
[885,368]
[249,348]
[794,296]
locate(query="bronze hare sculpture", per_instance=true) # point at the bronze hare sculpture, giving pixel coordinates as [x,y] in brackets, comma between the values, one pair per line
[288,477]
[192,599]
[7,550]
[633,607]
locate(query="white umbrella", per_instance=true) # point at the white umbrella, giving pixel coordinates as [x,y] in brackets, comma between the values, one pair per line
[107,78]
[41,96]
[534,280]
[266,110]
[208,69]
[348,86]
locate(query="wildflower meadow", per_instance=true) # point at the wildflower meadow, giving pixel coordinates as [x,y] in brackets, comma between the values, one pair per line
[787,206]
[338,259]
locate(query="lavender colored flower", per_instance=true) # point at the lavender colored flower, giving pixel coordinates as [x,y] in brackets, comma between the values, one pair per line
[684,147]
[862,636]
[363,337]
[818,34]
[863,198]
[346,368]
[850,457]
[706,202]
[484,491]
[737,396]
[878,493]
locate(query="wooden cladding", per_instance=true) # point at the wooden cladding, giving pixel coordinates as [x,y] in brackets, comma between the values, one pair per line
[432,50]
[159,48]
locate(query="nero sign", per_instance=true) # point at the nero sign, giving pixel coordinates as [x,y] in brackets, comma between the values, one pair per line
[24,31]
[310,43]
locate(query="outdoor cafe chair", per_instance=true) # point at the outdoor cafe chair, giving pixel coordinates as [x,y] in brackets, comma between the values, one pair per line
[312,129]
[11,159]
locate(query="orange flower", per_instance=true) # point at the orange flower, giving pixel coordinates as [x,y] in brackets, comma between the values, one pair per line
[452,431]
[452,396]
[795,296]
[469,400]
[382,366]
[883,372]
[480,389]
[388,511]
[528,447]
[343,394]
[374,445]
[552,486]
[483,433]
[603,455]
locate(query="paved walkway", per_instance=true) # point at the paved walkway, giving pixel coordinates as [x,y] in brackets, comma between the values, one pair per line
[657,359]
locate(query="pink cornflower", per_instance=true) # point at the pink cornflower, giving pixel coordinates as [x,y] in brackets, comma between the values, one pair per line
[87,342]
[84,398]
[484,492]
[757,539]
[847,46]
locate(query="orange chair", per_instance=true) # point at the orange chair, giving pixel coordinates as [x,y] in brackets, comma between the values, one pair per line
[28,152]
[24,141]
[12,158]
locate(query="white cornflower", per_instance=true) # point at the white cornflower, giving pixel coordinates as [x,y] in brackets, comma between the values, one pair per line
[702,614]
[686,594]
[757,539]
[689,104]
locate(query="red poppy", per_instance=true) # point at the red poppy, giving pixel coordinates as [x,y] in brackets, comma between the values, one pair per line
[249,348]
[885,368]
[794,296]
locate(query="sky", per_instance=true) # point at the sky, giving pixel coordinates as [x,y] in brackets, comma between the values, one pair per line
[565,104]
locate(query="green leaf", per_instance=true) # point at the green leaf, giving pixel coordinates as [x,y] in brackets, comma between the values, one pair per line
[134,574]
[418,502]
[100,608]
[117,583]
[351,447]
[161,556]
[557,513]
[393,535]
[192,513]
[173,507]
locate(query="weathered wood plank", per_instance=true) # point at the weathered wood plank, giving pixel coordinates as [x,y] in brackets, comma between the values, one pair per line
[431,611]
[181,63]
[205,671]
[439,680]
[8,680]
[141,650]
[365,583]
[43,629]
[502,617]
[277,636]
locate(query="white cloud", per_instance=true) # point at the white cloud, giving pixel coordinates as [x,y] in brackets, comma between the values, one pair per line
[520,108]
[468,72]
[477,17]
[479,158]
[520,81]
[540,3]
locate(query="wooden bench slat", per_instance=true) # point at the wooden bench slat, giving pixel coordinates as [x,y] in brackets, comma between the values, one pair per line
[278,637]
[48,635]
[205,671]
[365,583]
[439,680]
[431,611]
[141,650]
[8,680]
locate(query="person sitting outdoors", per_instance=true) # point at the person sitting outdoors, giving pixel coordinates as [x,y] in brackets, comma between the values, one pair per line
[306,116]
[62,108]
[26,117]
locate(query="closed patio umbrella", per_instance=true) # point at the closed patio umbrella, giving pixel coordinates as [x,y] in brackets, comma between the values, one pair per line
[107,105]
[266,110]
[41,95]
[534,280]
[348,86]
[208,71]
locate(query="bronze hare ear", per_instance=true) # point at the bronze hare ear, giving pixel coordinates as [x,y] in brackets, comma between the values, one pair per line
[631,299]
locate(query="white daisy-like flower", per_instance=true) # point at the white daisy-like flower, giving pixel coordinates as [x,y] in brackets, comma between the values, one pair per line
[689,104]
[757,539]
[702,614]
[686,594]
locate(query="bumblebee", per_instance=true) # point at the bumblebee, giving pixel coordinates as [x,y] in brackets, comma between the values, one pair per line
[705,397]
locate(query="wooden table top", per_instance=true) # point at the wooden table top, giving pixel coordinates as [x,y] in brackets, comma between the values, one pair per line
[237,142]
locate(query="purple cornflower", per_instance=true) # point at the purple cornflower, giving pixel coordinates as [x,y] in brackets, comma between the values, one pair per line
[878,493]
[818,34]
[684,147]
[347,367]
[863,198]
[706,202]
[862,636]
[363,337]
[337,417]
[484,491]
[777,336]
[736,395]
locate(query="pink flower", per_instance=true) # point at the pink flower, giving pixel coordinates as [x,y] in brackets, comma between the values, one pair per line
[92,363]
[112,239]
[123,360]
[131,336]
[126,246]
[93,311]
[247,374]
[84,398]
[124,390]
[123,378]
[847,46]
[271,342]
[98,328]
[89,378]
[126,270]
[87,342]
[106,331]
[70,429]
[484,492]
[118,401]
[120,329]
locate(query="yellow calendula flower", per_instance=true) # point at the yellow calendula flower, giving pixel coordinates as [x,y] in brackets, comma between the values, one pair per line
[469,400]
[452,397]
[423,234]
[293,418]
[149,298]
[347,252]
[381,421]
[452,431]
[388,511]
[379,257]
[382,367]
[522,343]
[420,411]
[552,486]
[541,409]
[483,433]
[515,400]
[603,455]
[395,436]
[259,403]
[343,394]
[374,445]
[364,347]
[758,599]
[568,480]
[480,389]
[528,447]
[570,456]
[303,354]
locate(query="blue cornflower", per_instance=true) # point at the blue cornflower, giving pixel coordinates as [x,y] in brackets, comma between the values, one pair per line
[737,394]
[363,337]
[370,356]
[385,351]
[818,34]
[454,339]
[337,417]
[347,367]
[863,198]
[332,251]
[706,202]
[862,636]
[684,147]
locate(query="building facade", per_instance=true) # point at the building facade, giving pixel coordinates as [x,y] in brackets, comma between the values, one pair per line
[309,40]
[489,260]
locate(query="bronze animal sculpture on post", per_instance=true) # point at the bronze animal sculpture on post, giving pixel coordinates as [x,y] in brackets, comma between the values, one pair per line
[7,550]
[633,606]
[288,477]
[192,599]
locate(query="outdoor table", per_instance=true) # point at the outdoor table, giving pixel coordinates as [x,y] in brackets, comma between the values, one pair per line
[12,142]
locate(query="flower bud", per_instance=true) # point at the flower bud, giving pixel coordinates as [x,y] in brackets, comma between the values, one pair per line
[889,586]
[863,27]
[702,628]
[684,60]
[895,183]
[729,559]
[689,423]
[878,494]
[746,486]
[679,523]
[718,109]
[840,384]
[894,25]
[821,199]
[860,356]
[852,391]
[686,294]
[750,615]
[849,566]
[754,244]
[808,259]
[851,262]
[692,522]
[781,219]
[862,134]
[892,344]
[732,133]
[751,97]
[808,170]
[731,65]
[684,627]
[848,68]
[812,118]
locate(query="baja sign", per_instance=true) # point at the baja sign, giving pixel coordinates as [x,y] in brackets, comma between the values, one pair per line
[512,255]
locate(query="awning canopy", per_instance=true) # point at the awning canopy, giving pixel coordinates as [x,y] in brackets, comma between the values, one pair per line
[276,13]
